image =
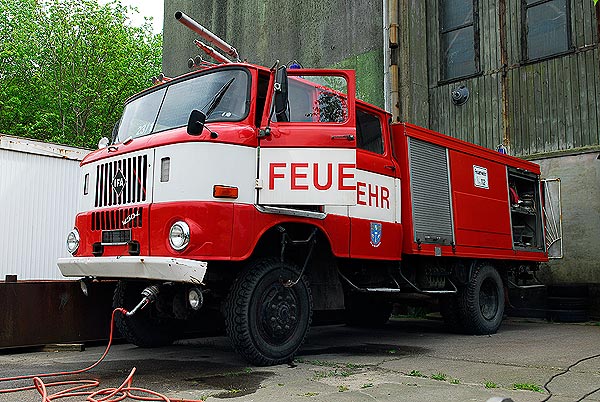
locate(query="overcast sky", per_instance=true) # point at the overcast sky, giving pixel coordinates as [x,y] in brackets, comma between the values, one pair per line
[147,8]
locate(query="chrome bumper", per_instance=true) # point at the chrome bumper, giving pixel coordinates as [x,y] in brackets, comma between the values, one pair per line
[156,268]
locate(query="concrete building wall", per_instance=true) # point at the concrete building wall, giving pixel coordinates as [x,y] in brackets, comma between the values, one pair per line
[580,187]
[316,33]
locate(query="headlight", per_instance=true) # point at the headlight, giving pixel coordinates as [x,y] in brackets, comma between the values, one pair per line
[73,241]
[179,235]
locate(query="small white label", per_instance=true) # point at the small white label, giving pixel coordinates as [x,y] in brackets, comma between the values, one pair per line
[480,177]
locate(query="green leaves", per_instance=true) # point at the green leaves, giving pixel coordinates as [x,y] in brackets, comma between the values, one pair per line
[67,66]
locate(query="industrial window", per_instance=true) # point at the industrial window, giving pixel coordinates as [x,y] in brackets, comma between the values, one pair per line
[368,132]
[546,28]
[459,38]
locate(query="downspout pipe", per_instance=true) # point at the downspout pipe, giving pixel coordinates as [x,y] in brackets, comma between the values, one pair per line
[393,42]
[386,57]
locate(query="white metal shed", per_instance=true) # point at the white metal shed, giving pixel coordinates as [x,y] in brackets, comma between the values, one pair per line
[38,202]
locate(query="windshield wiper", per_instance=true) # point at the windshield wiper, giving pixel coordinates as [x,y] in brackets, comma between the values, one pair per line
[214,102]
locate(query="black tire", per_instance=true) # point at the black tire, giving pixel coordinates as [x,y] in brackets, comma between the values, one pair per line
[266,321]
[367,312]
[449,309]
[481,302]
[142,329]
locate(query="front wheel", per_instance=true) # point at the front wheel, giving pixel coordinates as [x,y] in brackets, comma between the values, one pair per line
[266,321]
[481,301]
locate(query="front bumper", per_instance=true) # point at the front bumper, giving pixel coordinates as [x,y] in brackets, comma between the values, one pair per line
[138,267]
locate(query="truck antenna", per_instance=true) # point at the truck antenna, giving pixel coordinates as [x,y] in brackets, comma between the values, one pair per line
[209,37]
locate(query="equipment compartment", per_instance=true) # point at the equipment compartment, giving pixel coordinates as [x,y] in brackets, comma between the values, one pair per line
[525,210]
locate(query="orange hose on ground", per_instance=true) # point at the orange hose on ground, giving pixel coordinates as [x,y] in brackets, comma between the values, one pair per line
[121,393]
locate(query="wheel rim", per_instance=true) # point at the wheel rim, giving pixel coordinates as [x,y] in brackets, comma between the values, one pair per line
[278,315]
[488,299]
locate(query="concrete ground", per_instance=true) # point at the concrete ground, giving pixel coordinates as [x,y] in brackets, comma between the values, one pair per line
[407,360]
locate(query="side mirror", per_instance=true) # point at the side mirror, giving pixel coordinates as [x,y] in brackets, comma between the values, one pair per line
[103,143]
[196,122]
[281,94]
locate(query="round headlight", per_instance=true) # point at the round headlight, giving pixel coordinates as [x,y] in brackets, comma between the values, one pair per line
[73,241]
[179,235]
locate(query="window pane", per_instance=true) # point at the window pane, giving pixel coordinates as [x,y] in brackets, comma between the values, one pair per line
[547,29]
[368,132]
[310,99]
[139,115]
[458,53]
[455,13]
[299,102]
[196,93]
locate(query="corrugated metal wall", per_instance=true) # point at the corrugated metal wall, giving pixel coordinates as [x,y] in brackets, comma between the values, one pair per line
[552,105]
[38,202]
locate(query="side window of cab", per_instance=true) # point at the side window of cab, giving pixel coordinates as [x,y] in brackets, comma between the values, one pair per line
[369,135]
[310,102]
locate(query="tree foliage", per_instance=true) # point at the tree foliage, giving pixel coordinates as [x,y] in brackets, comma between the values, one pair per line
[67,66]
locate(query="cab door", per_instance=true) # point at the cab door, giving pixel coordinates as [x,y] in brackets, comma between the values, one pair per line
[376,230]
[308,155]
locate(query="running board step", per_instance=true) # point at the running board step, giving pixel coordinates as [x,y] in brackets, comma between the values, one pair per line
[383,290]
[429,292]
[369,290]
[534,286]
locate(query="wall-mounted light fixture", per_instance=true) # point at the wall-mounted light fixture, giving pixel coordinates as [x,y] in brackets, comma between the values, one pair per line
[460,95]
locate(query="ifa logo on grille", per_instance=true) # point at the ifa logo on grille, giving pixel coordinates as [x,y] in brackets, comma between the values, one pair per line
[118,182]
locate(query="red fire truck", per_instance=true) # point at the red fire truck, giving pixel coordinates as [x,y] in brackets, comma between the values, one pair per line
[270,193]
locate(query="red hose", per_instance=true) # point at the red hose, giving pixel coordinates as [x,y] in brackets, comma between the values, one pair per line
[83,387]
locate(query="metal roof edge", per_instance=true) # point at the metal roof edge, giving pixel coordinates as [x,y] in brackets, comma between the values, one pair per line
[30,146]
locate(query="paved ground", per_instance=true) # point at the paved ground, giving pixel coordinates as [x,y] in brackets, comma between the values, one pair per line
[339,363]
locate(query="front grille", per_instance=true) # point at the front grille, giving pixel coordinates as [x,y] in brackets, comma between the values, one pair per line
[111,220]
[121,181]
[116,236]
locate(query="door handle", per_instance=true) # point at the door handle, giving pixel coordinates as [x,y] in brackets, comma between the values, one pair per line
[391,167]
[348,137]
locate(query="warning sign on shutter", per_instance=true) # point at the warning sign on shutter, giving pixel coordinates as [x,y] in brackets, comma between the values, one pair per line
[480,177]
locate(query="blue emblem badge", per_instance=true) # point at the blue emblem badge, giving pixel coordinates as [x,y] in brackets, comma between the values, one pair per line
[375,234]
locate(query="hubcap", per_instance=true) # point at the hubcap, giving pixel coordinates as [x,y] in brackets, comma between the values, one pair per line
[488,299]
[279,313]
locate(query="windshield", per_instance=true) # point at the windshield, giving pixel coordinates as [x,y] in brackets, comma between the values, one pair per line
[170,106]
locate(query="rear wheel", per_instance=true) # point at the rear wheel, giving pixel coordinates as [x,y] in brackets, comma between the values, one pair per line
[144,328]
[266,321]
[481,301]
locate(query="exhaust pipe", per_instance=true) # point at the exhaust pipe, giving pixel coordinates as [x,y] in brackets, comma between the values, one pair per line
[207,35]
